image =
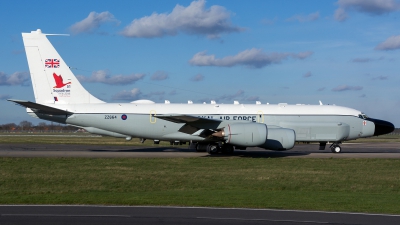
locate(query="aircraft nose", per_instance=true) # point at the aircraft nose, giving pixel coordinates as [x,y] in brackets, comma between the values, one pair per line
[382,127]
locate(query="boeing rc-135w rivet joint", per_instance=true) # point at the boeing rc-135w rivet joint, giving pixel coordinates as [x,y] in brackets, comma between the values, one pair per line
[208,127]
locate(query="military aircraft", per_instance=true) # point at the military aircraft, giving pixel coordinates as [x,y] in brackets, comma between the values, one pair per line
[60,97]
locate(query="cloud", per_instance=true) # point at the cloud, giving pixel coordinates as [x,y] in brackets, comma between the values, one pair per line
[364,60]
[131,95]
[361,60]
[269,21]
[253,58]
[17,78]
[103,76]
[194,20]
[302,18]
[92,22]
[321,89]
[198,77]
[308,74]
[380,78]
[4,97]
[301,55]
[160,95]
[252,98]
[159,75]
[363,96]
[347,88]
[391,43]
[231,97]
[340,14]
[371,7]
[238,96]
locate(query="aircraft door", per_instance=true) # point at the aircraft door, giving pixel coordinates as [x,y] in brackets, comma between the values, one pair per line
[152,118]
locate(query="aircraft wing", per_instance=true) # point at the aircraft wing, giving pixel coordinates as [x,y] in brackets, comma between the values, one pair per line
[40,108]
[179,118]
[194,125]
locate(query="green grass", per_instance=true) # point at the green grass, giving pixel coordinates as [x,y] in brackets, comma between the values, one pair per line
[357,185]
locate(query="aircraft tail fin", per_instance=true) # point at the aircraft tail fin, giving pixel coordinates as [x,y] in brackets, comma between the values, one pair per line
[52,79]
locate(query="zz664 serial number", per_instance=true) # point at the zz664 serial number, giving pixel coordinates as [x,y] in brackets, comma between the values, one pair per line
[110,117]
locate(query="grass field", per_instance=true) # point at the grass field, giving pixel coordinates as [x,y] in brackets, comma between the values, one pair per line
[356,185]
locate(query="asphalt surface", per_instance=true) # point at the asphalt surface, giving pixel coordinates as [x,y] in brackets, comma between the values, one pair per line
[42,215]
[351,150]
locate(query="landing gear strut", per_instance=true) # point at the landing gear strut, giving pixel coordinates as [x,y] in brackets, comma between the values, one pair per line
[335,147]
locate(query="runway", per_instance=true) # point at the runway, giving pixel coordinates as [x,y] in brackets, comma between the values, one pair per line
[181,215]
[351,150]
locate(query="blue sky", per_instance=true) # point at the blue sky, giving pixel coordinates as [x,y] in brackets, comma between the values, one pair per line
[342,52]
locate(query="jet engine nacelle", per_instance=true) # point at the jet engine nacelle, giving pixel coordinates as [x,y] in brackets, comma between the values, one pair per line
[279,139]
[246,134]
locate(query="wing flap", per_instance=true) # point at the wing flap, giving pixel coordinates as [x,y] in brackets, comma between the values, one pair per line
[40,108]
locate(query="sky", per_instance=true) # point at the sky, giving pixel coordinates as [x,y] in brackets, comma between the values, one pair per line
[344,52]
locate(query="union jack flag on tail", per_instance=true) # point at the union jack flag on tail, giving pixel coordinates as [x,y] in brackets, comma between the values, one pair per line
[52,63]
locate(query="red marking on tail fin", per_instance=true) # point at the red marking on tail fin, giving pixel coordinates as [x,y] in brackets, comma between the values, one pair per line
[59,81]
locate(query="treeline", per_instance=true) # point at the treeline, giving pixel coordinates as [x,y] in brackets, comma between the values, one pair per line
[26,126]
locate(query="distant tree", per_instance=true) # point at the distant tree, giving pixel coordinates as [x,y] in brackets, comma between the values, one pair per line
[42,126]
[25,125]
[8,127]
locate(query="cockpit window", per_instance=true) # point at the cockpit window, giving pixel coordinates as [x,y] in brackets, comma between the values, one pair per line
[362,116]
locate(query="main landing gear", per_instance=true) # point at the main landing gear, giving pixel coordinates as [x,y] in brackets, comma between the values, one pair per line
[335,147]
[214,148]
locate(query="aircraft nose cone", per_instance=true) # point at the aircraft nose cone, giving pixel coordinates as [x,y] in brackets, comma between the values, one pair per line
[382,127]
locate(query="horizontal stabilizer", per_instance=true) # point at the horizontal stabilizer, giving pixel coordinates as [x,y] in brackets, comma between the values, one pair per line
[40,108]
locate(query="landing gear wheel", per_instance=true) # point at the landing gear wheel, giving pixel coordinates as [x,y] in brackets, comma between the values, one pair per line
[336,149]
[212,149]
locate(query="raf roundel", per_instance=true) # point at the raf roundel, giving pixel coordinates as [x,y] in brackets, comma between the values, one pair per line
[124,117]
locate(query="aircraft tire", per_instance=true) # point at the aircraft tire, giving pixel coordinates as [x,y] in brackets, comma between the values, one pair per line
[336,149]
[212,149]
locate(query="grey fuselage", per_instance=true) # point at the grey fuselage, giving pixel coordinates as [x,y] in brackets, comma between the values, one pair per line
[311,123]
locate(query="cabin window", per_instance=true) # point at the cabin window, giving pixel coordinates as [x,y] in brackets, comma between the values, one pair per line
[362,116]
